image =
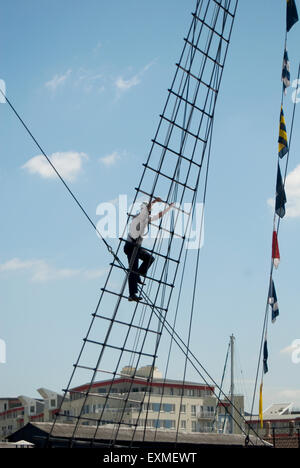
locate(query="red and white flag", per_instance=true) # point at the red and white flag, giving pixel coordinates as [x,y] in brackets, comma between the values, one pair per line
[275,250]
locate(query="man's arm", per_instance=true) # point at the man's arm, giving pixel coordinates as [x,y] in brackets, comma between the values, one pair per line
[150,204]
[161,213]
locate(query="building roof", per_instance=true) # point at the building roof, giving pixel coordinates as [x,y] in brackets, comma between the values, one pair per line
[105,433]
[8,398]
[142,381]
[278,409]
[7,445]
[278,412]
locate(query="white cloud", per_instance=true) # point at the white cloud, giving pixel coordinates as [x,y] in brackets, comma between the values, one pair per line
[16,264]
[124,85]
[110,159]
[57,81]
[68,164]
[292,189]
[94,274]
[41,271]
[293,193]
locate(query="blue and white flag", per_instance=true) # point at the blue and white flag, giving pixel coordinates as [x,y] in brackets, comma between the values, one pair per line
[291,14]
[273,302]
[280,200]
[286,75]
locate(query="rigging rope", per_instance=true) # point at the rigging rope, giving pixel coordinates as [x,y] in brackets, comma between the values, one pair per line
[116,258]
[265,323]
[180,343]
[109,248]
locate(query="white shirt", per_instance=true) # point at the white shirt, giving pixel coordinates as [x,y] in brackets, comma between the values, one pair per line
[139,225]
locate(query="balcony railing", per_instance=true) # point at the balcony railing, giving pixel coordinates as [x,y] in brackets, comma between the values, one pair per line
[205,415]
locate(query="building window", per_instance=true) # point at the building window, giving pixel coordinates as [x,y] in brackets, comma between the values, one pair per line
[156,407]
[169,424]
[32,409]
[182,408]
[155,423]
[168,408]
[205,427]
[194,426]
[52,403]
[193,410]
[207,411]
[101,390]
[183,424]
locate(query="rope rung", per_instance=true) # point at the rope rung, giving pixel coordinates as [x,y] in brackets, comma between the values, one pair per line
[203,111]
[125,376]
[161,228]
[120,348]
[174,207]
[210,28]
[196,78]
[203,53]
[179,155]
[169,177]
[106,396]
[172,122]
[155,253]
[146,277]
[129,325]
[226,10]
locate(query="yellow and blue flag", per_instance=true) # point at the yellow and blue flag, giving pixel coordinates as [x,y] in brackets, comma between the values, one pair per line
[283,146]
[291,14]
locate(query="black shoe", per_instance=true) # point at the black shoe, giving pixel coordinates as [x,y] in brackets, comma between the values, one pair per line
[140,281]
[134,298]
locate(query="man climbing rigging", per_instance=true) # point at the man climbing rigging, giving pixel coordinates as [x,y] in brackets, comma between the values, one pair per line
[133,246]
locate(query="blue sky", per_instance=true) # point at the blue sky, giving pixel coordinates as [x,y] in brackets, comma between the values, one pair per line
[90,79]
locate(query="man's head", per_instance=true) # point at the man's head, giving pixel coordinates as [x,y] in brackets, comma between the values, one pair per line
[146,206]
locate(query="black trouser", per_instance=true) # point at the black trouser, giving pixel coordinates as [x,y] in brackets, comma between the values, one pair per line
[135,253]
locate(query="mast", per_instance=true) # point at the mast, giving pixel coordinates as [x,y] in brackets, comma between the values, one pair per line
[232,338]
